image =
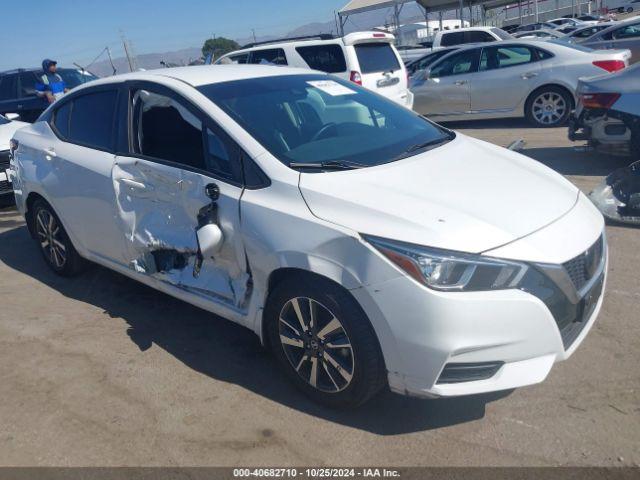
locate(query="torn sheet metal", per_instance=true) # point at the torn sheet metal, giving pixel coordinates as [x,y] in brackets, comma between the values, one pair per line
[618,196]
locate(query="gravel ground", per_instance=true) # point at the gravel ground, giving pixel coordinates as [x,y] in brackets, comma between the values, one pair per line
[100,370]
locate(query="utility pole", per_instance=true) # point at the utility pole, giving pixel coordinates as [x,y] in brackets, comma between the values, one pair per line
[253,31]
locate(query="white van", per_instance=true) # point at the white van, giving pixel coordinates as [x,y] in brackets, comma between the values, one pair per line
[367,58]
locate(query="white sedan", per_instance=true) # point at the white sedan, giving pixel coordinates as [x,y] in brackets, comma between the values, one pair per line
[365,245]
[523,78]
[8,127]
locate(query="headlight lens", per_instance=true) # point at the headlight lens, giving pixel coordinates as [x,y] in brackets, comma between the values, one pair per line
[449,270]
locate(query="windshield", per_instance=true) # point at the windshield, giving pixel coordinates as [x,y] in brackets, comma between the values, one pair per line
[502,34]
[319,118]
[72,78]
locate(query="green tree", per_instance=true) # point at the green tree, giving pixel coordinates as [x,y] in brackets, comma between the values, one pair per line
[219,46]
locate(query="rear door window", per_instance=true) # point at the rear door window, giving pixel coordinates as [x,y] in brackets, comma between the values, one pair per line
[475,37]
[27,84]
[91,120]
[503,57]
[9,87]
[453,38]
[326,58]
[628,31]
[272,55]
[376,58]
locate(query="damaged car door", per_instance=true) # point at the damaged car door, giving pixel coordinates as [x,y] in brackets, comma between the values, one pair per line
[177,194]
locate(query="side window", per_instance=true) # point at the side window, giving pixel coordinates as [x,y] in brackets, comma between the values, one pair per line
[91,120]
[273,55]
[503,57]
[164,129]
[474,37]
[27,84]
[457,64]
[454,38]
[8,87]
[223,156]
[543,54]
[61,119]
[241,58]
[326,58]
[629,31]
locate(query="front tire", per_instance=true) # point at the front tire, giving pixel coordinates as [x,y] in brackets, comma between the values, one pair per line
[549,107]
[324,342]
[53,241]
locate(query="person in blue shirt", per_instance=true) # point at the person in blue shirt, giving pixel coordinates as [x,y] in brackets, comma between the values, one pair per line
[50,84]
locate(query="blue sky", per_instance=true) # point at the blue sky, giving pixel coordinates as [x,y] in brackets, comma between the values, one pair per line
[77,30]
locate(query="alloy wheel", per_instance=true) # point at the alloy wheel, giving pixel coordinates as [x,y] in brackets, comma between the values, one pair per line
[316,344]
[50,238]
[549,108]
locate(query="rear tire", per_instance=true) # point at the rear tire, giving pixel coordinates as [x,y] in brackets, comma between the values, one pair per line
[324,342]
[53,241]
[548,107]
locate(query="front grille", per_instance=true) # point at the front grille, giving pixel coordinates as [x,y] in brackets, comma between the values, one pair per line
[5,186]
[583,267]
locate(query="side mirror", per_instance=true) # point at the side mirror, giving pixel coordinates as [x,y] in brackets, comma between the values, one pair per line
[210,239]
[421,75]
[12,116]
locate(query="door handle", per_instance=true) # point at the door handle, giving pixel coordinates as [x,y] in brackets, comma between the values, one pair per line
[460,82]
[50,153]
[528,75]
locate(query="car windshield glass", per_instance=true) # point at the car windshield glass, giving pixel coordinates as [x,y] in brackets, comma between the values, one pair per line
[72,78]
[319,119]
[502,34]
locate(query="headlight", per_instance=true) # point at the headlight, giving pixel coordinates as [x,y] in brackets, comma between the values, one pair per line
[449,270]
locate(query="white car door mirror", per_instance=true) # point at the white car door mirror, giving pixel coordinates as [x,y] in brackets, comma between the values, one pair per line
[210,239]
[12,116]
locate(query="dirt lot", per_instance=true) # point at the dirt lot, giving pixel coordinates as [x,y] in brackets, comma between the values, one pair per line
[100,370]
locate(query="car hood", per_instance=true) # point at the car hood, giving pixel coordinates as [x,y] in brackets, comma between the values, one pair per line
[466,195]
[6,133]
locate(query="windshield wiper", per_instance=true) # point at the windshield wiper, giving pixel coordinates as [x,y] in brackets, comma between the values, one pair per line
[422,146]
[330,165]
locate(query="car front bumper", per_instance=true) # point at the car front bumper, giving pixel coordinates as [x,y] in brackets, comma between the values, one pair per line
[516,335]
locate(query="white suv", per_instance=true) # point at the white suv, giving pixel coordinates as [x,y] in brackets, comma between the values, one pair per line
[367,58]
[364,244]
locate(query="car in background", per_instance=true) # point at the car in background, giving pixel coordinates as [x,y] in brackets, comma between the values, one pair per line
[410,53]
[607,114]
[509,28]
[514,78]
[563,22]
[624,34]
[536,26]
[462,36]
[582,34]
[539,34]
[18,90]
[365,245]
[369,59]
[8,127]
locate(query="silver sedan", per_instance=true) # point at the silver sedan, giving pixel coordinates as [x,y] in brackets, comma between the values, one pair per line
[527,78]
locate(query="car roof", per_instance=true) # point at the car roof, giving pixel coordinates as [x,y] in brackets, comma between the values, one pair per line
[198,75]
[468,29]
